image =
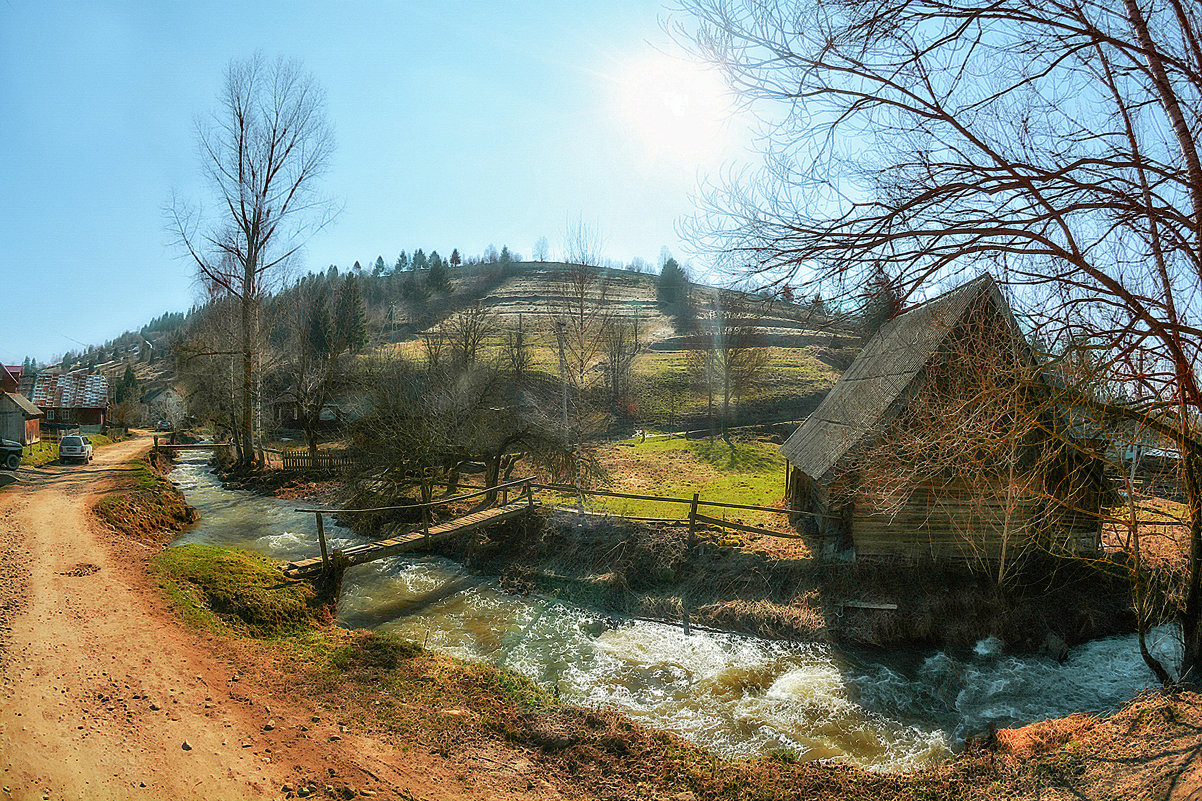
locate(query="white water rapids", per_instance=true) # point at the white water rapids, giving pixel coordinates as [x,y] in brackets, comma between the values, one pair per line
[735,695]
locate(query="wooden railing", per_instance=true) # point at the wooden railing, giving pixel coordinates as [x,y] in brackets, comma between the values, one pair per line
[524,483]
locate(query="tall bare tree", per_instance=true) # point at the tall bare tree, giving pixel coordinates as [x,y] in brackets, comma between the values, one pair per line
[1053,142]
[729,356]
[262,150]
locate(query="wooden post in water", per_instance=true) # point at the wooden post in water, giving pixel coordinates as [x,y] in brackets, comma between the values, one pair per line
[693,515]
[321,538]
[687,629]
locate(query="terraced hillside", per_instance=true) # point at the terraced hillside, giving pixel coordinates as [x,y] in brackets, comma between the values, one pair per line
[805,350]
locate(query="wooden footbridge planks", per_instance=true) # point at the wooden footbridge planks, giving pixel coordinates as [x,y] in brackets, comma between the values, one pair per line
[370,552]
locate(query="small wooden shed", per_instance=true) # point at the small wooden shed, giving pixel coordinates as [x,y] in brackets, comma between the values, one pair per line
[20,420]
[1050,489]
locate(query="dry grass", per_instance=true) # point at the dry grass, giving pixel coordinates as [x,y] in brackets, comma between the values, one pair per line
[1044,736]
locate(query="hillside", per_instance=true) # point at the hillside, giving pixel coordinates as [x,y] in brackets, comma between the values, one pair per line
[805,350]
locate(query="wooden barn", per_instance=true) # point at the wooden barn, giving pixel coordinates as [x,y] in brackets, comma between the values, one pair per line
[943,441]
[20,420]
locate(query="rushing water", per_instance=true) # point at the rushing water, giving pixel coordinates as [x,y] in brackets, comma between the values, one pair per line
[734,695]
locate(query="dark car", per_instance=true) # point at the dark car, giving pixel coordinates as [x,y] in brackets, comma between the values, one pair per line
[10,454]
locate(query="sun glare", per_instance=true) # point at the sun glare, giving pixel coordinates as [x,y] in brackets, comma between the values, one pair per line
[676,109]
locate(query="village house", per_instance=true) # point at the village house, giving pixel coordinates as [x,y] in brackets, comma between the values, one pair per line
[72,399]
[164,403]
[10,377]
[20,420]
[941,441]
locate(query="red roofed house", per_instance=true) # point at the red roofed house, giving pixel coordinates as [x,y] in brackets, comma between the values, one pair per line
[75,398]
[10,376]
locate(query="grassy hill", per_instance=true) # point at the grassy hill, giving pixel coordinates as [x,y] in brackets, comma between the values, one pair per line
[806,351]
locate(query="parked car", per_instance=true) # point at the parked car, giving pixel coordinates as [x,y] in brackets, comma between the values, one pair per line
[10,454]
[75,447]
[162,425]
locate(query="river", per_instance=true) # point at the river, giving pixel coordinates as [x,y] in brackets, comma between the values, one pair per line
[734,695]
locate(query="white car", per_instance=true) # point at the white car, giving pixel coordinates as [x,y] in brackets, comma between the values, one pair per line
[75,447]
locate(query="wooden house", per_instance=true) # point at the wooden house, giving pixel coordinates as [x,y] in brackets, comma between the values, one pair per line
[72,399]
[20,420]
[164,403]
[943,441]
[10,377]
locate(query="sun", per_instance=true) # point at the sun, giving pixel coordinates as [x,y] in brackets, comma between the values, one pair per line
[676,108]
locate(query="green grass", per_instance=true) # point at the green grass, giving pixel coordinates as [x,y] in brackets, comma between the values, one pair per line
[46,451]
[746,471]
[39,453]
[224,589]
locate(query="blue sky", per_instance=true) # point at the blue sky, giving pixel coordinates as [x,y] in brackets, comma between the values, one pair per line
[459,124]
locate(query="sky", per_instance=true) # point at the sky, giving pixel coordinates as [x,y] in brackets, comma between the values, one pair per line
[458,124]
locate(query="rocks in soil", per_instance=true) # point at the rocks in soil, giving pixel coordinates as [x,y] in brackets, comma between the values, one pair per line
[187,746]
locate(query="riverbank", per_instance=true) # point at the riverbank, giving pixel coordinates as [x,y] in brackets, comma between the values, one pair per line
[504,734]
[493,723]
[630,569]
[488,732]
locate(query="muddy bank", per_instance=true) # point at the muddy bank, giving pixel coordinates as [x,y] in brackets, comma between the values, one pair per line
[636,570]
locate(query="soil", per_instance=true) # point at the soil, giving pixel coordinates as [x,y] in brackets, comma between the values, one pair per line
[104,695]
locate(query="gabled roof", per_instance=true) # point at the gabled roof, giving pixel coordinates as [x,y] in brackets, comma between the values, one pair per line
[880,376]
[24,405]
[71,391]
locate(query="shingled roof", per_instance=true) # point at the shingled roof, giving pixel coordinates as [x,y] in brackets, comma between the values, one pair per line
[71,391]
[880,376]
[21,402]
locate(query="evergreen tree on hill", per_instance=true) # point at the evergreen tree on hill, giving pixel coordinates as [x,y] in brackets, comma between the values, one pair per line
[402,263]
[456,259]
[439,279]
[378,268]
[350,316]
[419,260]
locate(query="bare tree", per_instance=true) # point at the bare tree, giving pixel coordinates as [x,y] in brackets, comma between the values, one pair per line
[541,249]
[729,356]
[516,348]
[263,149]
[467,331]
[1055,142]
[620,340]
[578,311]
[321,329]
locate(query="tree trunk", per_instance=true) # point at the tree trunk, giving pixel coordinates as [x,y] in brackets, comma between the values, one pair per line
[1191,613]
[246,424]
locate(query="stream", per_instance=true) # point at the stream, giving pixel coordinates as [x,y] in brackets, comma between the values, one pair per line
[731,694]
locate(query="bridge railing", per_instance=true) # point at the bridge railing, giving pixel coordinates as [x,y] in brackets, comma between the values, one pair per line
[526,485]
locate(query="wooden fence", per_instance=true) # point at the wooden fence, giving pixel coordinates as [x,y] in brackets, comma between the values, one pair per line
[296,460]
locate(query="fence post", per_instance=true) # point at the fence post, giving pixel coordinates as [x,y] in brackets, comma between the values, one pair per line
[321,538]
[529,493]
[693,515]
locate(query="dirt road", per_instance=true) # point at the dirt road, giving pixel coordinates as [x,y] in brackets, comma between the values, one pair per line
[104,696]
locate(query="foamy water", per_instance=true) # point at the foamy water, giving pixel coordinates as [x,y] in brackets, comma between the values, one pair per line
[734,695]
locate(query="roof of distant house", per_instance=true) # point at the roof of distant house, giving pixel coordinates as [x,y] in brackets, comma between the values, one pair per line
[878,378]
[76,390]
